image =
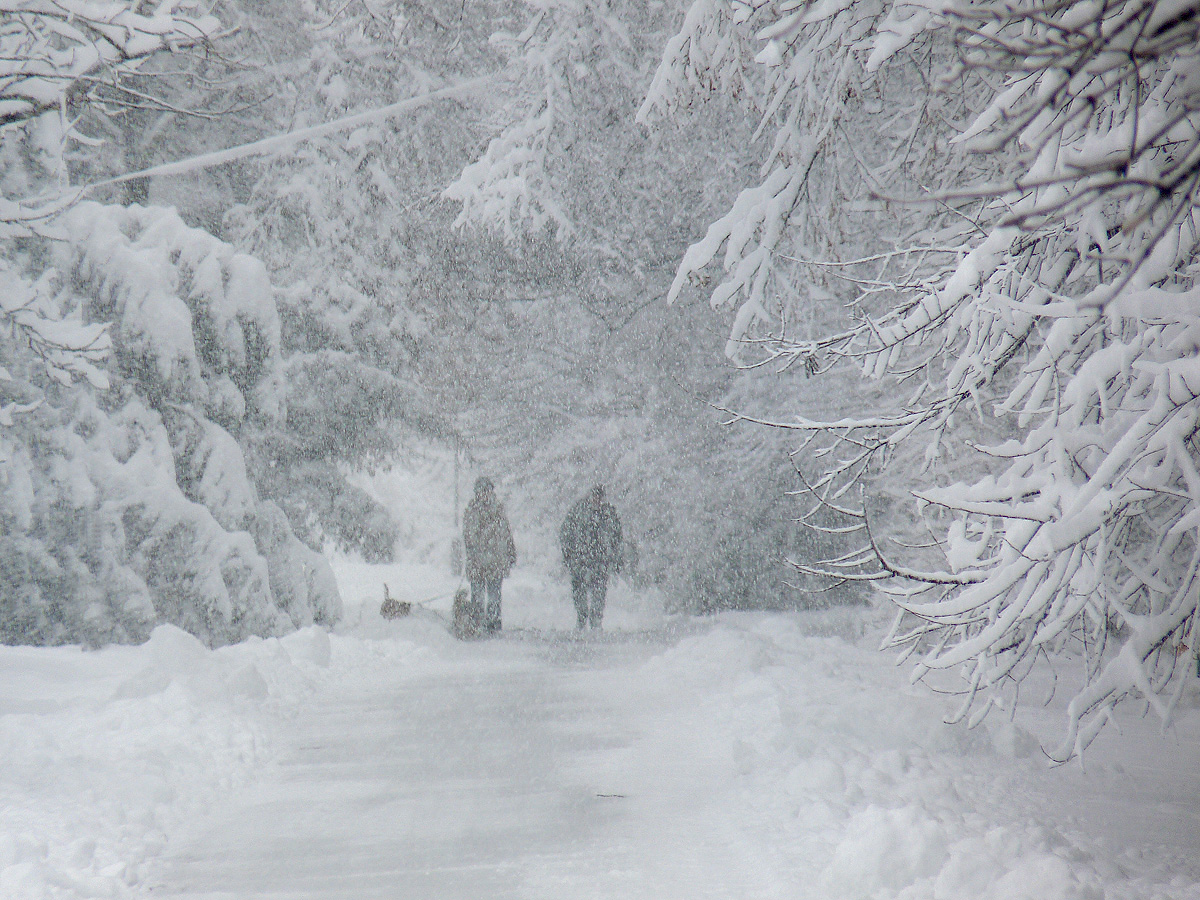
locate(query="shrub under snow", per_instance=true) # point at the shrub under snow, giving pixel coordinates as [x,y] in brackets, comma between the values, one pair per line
[126,509]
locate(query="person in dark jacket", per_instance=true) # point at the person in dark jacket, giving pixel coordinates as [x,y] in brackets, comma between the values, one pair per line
[591,547]
[488,545]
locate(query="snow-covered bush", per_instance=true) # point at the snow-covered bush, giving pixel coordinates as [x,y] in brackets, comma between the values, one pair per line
[1049,281]
[130,507]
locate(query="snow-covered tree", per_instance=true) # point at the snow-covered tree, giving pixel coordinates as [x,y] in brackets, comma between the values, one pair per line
[133,506]
[1048,279]
[597,383]
[138,355]
[352,222]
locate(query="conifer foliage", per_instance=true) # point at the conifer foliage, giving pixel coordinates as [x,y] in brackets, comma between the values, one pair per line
[138,357]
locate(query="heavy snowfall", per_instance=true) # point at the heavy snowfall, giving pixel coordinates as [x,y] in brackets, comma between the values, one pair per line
[600,448]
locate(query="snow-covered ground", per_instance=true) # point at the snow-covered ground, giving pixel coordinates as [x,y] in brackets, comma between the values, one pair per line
[749,755]
[753,755]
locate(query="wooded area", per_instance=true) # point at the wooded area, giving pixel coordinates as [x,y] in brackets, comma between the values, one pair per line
[948,254]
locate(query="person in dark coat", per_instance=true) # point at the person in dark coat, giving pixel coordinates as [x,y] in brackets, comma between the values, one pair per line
[488,545]
[591,547]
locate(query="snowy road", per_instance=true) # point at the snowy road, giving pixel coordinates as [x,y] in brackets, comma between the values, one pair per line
[501,781]
[748,757]
[739,756]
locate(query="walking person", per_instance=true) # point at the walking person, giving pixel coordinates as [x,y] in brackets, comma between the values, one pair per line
[591,547]
[488,545]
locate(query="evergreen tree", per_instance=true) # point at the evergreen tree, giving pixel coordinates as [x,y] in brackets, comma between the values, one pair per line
[138,354]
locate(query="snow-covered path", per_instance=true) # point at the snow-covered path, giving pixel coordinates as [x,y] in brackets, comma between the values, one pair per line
[745,758]
[757,755]
[501,780]
[745,755]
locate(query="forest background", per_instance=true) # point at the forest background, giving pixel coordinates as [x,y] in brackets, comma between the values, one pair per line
[987,211]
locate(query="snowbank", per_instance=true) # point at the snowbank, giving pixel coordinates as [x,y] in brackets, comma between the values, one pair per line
[820,749]
[108,752]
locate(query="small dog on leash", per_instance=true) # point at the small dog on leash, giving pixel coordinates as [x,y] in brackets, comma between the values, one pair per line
[393,608]
[468,617]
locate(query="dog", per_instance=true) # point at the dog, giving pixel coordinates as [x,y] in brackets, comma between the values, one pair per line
[468,617]
[393,608]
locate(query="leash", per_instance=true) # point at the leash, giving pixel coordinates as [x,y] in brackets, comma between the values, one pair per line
[423,604]
[427,600]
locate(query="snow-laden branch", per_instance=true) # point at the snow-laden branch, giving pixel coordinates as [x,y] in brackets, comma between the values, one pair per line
[801,72]
[67,347]
[280,143]
[508,187]
[49,48]
[1050,279]
[17,216]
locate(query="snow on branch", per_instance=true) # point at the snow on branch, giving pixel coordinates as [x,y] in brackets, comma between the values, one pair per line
[67,347]
[568,71]
[708,54]
[1045,286]
[50,48]
[508,187]
[1101,115]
